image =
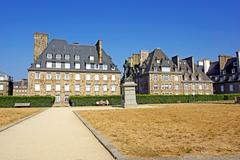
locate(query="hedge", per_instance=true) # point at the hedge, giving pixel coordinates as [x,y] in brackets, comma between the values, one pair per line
[35,101]
[150,99]
[91,100]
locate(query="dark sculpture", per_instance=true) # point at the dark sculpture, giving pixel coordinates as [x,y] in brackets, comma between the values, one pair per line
[129,73]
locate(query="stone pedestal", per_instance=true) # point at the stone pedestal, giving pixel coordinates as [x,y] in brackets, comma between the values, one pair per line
[129,94]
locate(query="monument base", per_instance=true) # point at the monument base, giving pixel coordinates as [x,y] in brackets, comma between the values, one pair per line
[129,95]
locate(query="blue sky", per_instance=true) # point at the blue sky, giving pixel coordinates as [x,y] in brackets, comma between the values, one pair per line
[202,28]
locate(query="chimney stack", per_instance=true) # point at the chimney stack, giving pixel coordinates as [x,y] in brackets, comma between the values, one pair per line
[222,61]
[190,61]
[175,60]
[99,50]
[238,59]
[40,44]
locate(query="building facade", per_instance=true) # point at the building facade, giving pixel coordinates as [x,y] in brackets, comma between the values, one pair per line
[61,70]
[6,84]
[138,58]
[225,73]
[20,88]
[160,75]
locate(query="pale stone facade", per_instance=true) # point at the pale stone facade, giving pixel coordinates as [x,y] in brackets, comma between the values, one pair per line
[160,75]
[20,88]
[64,70]
[6,84]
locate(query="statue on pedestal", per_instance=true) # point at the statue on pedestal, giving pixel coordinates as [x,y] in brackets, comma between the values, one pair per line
[129,73]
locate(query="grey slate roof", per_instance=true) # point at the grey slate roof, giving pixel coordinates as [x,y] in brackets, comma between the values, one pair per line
[57,46]
[184,68]
[23,82]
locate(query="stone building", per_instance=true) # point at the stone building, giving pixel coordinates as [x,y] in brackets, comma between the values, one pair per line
[225,73]
[6,84]
[160,75]
[20,88]
[61,69]
[138,58]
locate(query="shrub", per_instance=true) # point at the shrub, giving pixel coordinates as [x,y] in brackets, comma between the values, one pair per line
[91,100]
[36,101]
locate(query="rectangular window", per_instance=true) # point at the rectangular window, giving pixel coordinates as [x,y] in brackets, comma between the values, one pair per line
[91,58]
[38,65]
[58,76]
[48,64]
[105,77]
[77,76]
[96,87]
[37,75]
[48,76]
[67,65]
[88,66]
[1,87]
[66,87]
[96,77]
[77,87]
[67,56]
[176,87]
[113,88]
[222,88]
[186,87]
[48,87]
[175,78]
[233,70]
[49,56]
[58,99]
[58,87]
[231,87]
[200,87]
[58,56]
[66,76]
[105,89]
[155,87]
[155,77]
[113,77]
[193,87]
[105,67]
[88,77]
[166,77]
[88,88]
[2,78]
[165,69]
[37,87]
[77,65]
[58,65]
[77,57]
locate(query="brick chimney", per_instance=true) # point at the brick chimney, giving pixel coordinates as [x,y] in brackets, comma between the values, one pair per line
[222,61]
[99,50]
[40,43]
[175,60]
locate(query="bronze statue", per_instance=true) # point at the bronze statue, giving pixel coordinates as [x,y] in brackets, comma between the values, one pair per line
[128,72]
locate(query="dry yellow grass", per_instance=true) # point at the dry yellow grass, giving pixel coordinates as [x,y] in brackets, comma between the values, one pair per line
[196,129]
[10,115]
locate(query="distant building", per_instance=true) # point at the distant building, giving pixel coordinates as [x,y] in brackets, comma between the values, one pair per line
[20,88]
[6,84]
[138,58]
[225,73]
[61,69]
[160,75]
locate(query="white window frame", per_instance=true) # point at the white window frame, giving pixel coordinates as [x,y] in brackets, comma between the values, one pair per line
[37,75]
[88,77]
[88,88]
[58,56]
[77,87]
[113,77]
[96,87]
[67,56]
[231,88]
[113,88]
[2,87]
[49,56]
[67,65]
[58,87]
[66,87]
[91,58]
[58,76]
[77,57]
[77,76]
[96,77]
[38,65]
[77,65]
[105,88]
[222,88]
[48,87]
[37,87]
[66,76]
[48,76]
[105,77]
[58,65]
[88,66]
[166,69]
[105,67]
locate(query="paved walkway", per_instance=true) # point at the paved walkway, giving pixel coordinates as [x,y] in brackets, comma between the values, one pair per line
[55,134]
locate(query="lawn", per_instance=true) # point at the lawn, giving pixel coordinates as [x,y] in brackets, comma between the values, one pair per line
[172,130]
[10,115]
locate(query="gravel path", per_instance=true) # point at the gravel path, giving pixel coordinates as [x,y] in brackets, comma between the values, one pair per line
[55,134]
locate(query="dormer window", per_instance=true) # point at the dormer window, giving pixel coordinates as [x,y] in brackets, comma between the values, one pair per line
[105,67]
[38,65]
[77,57]
[113,68]
[48,64]
[49,56]
[91,58]
[158,61]
[67,56]
[235,64]
[58,56]
[77,65]
[224,72]
[165,69]
[233,70]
